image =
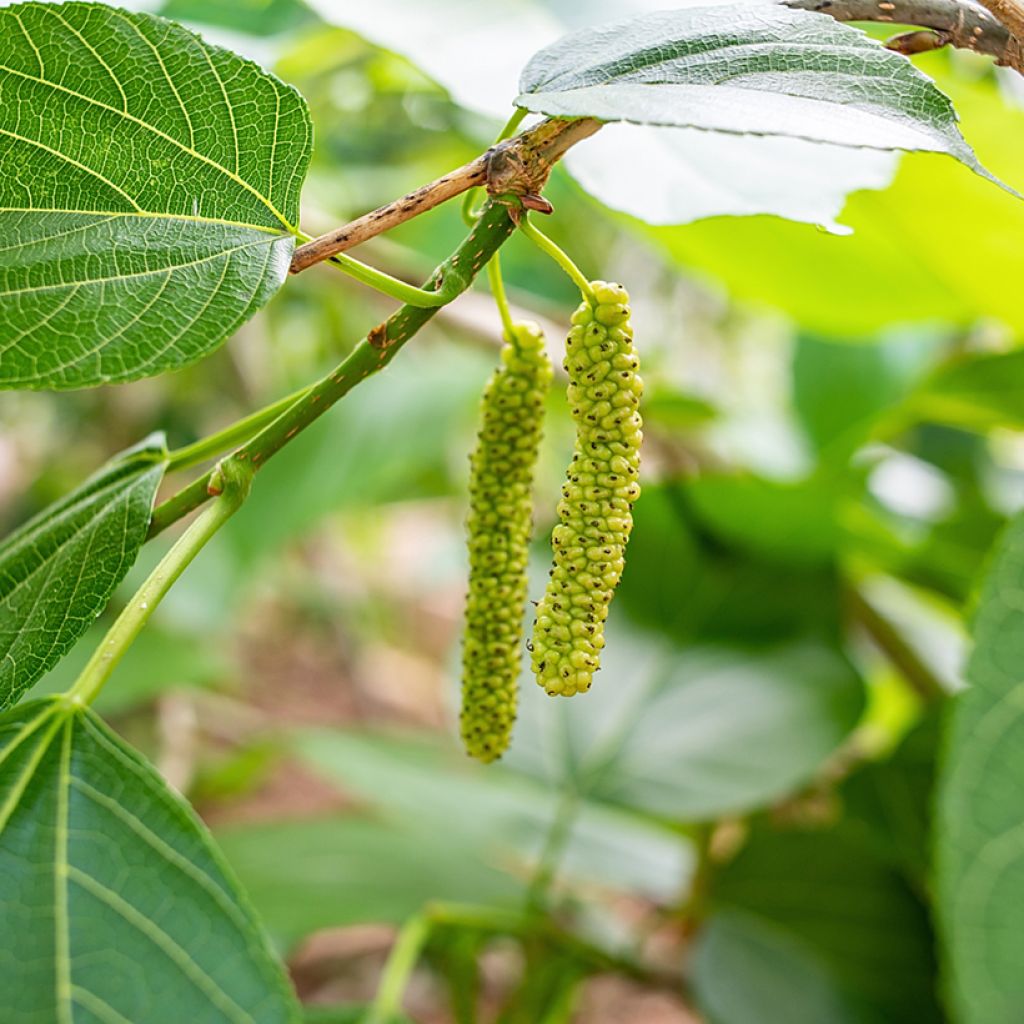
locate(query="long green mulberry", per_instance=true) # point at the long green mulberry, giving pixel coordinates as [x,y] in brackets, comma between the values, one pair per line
[595,511]
[499,527]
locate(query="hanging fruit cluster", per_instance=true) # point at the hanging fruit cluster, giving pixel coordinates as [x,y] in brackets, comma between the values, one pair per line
[595,515]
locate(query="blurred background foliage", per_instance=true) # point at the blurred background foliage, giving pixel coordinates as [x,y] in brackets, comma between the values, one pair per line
[832,445]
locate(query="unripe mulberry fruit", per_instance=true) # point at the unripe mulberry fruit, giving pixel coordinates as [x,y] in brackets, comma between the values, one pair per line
[595,511]
[499,527]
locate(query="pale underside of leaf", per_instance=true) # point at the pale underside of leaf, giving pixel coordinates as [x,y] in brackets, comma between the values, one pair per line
[760,70]
[58,571]
[117,906]
[149,190]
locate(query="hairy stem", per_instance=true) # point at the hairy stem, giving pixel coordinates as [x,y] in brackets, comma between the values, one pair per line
[233,486]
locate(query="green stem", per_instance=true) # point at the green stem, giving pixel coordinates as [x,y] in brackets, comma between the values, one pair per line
[500,298]
[421,298]
[230,436]
[235,487]
[554,846]
[372,354]
[546,245]
[401,962]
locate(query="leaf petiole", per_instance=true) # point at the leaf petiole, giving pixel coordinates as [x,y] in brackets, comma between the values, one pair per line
[232,435]
[420,298]
[546,245]
[233,480]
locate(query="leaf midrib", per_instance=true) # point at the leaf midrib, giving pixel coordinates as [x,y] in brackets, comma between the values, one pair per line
[190,150]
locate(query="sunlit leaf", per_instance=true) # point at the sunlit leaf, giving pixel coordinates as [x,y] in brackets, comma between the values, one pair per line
[762,70]
[149,187]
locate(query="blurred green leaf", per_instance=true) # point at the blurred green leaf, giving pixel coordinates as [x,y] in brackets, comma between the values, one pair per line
[750,971]
[791,521]
[978,393]
[58,570]
[903,263]
[683,579]
[823,926]
[695,734]
[891,801]
[113,892]
[343,1015]
[501,815]
[979,856]
[307,875]
[253,17]
[732,68]
[841,391]
[163,194]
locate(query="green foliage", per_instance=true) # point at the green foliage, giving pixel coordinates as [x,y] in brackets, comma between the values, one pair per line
[499,525]
[59,569]
[99,854]
[901,264]
[693,735]
[819,930]
[774,72]
[979,863]
[597,499]
[149,186]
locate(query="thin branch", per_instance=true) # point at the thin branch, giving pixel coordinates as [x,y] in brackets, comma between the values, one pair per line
[384,218]
[951,23]
[519,165]
[921,679]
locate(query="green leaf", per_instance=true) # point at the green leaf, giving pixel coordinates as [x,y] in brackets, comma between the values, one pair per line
[817,921]
[977,393]
[979,854]
[780,979]
[117,906]
[57,572]
[501,814]
[252,17]
[149,188]
[331,872]
[808,274]
[891,801]
[692,735]
[762,70]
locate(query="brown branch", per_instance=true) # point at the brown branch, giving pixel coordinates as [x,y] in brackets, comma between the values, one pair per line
[951,23]
[1010,13]
[520,165]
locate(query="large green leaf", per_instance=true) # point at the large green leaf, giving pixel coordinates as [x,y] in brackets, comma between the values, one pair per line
[819,930]
[116,904]
[742,69]
[980,850]
[149,188]
[695,734]
[57,572]
[664,177]
[501,814]
[808,274]
[337,871]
